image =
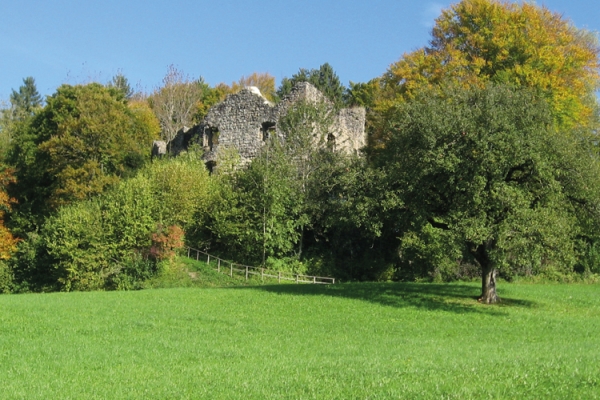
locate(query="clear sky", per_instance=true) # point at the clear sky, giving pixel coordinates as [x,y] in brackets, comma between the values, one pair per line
[77,41]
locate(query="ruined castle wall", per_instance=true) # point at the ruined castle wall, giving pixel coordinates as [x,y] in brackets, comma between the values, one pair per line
[238,122]
[349,130]
[244,121]
[303,91]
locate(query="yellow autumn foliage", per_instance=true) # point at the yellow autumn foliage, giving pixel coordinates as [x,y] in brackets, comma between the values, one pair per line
[479,41]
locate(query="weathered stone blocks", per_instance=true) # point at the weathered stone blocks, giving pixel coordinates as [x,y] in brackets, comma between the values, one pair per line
[245,120]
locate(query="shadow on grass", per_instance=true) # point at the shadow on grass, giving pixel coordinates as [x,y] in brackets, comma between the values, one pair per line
[458,298]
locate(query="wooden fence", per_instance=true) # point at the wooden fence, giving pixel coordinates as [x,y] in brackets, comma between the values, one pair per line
[229,267]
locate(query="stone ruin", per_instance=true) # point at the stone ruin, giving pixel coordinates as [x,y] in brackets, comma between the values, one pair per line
[245,120]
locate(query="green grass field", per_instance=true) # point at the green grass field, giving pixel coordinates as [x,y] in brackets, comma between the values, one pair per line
[349,341]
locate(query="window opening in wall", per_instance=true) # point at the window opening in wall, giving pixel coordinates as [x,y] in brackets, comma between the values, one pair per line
[211,138]
[267,129]
[210,166]
[331,142]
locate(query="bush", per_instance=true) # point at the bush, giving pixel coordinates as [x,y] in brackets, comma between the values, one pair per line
[286,264]
[115,240]
[6,278]
[589,261]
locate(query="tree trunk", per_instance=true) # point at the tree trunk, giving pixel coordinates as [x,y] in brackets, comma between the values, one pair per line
[488,285]
[488,274]
[300,245]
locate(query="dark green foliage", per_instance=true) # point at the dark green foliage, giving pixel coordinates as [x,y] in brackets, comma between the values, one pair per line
[265,211]
[354,226]
[362,94]
[589,262]
[31,266]
[287,84]
[24,103]
[325,79]
[207,97]
[485,180]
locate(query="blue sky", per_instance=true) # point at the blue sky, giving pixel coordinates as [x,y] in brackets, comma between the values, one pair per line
[75,41]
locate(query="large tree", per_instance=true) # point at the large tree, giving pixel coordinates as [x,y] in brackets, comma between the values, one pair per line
[23,104]
[521,44]
[484,178]
[85,139]
[175,103]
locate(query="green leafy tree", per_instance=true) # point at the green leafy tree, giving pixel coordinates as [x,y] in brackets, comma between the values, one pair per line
[483,178]
[305,128]
[287,84]
[85,139]
[354,209]
[257,212]
[363,94]
[114,240]
[265,211]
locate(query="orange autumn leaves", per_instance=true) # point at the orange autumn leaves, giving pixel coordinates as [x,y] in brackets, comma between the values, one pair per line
[8,242]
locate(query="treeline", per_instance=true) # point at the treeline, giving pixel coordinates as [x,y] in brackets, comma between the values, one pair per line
[482,159]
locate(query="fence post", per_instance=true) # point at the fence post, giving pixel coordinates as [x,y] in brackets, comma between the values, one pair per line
[314,279]
[279,277]
[188,252]
[208,259]
[333,281]
[246,272]
[218,265]
[197,255]
[231,269]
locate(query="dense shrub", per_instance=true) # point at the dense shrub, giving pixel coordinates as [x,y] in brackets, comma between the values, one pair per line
[6,278]
[115,240]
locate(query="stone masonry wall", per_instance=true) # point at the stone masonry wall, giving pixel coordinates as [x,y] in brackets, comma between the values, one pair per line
[244,120]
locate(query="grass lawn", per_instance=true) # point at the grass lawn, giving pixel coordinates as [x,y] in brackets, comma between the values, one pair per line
[384,340]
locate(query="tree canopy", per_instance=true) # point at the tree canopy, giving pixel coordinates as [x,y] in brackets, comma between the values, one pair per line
[83,140]
[521,44]
[482,181]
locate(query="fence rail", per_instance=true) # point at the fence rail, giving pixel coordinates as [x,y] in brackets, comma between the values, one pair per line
[230,267]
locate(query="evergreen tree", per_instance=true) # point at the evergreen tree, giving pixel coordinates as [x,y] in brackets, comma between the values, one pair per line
[325,79]
[121,84]
[26,99]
